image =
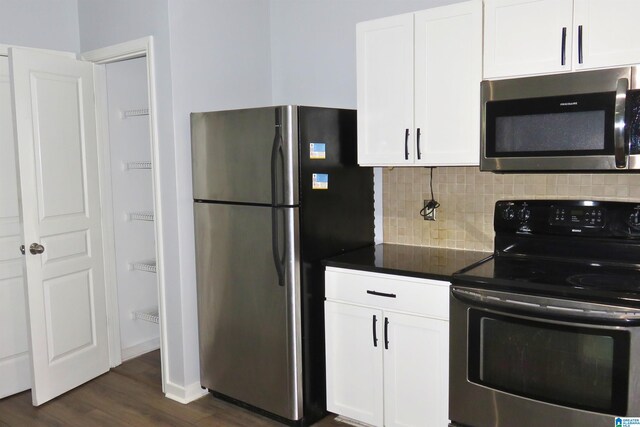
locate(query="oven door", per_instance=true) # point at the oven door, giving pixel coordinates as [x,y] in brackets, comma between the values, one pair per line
[533,361]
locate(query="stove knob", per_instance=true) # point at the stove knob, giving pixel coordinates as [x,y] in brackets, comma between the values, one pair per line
[634,219]
[508,213]
[524,214]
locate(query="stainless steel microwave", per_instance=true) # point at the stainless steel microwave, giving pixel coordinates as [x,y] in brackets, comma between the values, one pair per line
[580,121]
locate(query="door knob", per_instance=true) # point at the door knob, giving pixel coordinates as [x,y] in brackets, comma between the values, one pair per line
[36,248]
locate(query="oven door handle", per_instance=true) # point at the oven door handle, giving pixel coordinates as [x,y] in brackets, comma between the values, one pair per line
[546,306]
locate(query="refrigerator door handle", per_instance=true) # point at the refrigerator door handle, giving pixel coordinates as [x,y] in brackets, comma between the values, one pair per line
[276,151]
[278,260]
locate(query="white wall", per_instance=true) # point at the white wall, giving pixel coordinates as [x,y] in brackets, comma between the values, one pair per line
[220,59]
[45,24]
[107,22]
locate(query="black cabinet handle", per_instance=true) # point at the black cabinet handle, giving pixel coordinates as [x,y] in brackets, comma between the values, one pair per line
[375,335]
[563,55]
[418,142]
[579,44]
[381,294]
[386,333]
[406,144]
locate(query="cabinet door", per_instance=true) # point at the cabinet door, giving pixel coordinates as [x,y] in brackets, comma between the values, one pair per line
[416,370]
[448,71]
[354,362]
[385,90]
[609,33]
[523,37]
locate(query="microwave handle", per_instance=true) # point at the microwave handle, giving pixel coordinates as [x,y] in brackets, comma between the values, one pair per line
[619,125]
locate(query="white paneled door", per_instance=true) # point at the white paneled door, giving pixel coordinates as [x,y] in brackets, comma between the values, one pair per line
[58,162]
[15,374]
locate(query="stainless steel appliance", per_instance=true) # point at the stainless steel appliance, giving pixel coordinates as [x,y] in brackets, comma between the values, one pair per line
[547,331]
[276,190]
[573,121]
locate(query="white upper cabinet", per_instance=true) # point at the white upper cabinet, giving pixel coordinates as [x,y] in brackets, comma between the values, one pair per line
[419,87]
[448,69]
[524,37]
[610,33]
[385,90]
[528,37]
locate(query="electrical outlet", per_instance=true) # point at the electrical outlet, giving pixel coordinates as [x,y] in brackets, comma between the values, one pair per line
[429,214]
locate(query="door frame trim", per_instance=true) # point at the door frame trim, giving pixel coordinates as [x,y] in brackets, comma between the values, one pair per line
[139,48]
[4,50]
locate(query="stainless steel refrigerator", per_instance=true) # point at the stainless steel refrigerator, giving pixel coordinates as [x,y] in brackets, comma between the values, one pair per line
[276,190]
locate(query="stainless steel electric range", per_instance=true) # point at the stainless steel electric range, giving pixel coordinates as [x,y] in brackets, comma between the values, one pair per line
[546,332]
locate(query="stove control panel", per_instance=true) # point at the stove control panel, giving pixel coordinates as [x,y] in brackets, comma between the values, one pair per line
[578,216]
[577,229]
[568,217]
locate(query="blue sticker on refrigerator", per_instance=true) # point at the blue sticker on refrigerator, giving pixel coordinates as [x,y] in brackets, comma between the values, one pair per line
[320,181]
[317,151]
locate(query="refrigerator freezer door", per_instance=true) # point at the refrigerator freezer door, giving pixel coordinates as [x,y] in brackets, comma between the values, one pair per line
[246,156]
[338,218]
[249,323]
[333,220]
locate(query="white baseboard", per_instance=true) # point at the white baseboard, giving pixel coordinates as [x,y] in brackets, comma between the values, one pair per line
[140,349]
[184,394]
[172,391]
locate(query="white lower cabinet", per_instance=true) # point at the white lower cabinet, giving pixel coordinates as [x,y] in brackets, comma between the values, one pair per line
[416,371]
[387,348]
[354,370]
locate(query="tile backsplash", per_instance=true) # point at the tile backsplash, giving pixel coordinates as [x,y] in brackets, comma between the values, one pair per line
[467,196]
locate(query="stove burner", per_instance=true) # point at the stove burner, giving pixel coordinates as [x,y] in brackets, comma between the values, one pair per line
[616,282]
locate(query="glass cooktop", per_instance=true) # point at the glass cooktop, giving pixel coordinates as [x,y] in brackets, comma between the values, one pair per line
[588,281]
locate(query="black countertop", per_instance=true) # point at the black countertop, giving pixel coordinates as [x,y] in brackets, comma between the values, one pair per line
[403,260]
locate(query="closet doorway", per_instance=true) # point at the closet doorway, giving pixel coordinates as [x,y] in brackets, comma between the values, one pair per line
[127,285]
[128,167]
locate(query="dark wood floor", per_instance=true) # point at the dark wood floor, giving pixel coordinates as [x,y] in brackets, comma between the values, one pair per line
[130,395]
